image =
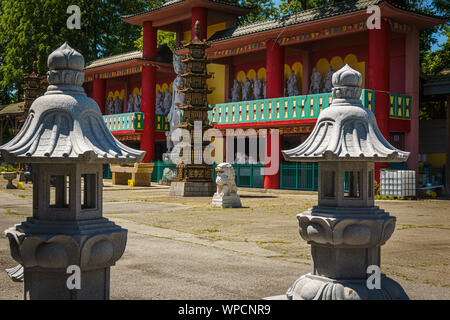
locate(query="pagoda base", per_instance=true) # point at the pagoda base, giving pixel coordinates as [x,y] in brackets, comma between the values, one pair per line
[312,287]
[192,189]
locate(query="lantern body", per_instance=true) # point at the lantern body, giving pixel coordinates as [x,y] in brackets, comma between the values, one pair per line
[345,230]
[66,248]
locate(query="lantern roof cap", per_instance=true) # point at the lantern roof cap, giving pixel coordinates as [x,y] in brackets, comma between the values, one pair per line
[346,131]
[65,125]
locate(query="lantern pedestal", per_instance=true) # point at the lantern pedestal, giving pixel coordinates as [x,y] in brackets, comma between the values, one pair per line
[47,248]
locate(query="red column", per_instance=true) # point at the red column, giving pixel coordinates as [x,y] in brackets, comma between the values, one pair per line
[378,78]
[98,93]
[149,91]
[201,15]
[274,70]
[274,89]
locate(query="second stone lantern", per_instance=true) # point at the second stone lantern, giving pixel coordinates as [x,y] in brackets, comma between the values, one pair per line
[345,230]
[66,141]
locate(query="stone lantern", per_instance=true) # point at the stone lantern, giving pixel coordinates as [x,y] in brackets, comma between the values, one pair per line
[345,230]
[66,141]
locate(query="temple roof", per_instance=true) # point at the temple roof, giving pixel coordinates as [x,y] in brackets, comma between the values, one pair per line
[346,131]
[65,125]
[164,55]
[11,110]
[305,16]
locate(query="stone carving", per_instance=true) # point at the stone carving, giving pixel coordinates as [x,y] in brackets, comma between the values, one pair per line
[236,91]
[247,90]
[10,176]
[316,82]
[169,174]
[292,85]
[345,229]
[328,87]
[67,142]
[167,103]
[226,195]
[258,88]
[159,107]
[174,116]
[130,104]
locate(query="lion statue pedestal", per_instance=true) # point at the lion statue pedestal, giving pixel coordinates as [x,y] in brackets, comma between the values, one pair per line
[226,195]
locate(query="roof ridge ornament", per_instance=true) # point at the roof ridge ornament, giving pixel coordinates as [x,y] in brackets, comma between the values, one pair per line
[66,67]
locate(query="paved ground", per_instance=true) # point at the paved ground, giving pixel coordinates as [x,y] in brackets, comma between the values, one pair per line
[180,248]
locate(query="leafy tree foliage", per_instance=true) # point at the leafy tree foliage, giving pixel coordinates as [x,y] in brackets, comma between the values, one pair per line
[31,30]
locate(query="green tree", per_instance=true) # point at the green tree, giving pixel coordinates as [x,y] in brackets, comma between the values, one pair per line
[31,30]
[262,10]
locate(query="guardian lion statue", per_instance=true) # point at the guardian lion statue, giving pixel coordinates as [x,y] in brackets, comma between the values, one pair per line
[226,195]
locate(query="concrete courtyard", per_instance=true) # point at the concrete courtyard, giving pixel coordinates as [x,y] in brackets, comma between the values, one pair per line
[181,248]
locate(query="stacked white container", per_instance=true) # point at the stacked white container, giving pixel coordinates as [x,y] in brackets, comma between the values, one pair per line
[398,183]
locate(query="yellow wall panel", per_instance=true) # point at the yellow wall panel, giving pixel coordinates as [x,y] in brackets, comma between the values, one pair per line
[217,82]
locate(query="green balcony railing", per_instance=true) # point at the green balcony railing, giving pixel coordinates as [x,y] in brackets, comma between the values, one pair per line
[125,121]
[285,108]
[161,123]
[133,122]
[399,106]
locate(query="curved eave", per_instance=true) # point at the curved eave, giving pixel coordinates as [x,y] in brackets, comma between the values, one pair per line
[420,21]
[393,158]
[88,157]
[163,67]
[169,14]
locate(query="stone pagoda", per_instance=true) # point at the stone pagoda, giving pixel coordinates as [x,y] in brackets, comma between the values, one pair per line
[67,142]
[345,230]
[194,176]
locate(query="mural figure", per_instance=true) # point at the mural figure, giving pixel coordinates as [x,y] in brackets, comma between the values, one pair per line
[246,90]
[236,91]
[137,103]
[167,103]
[109,106]
[328,77]
[118,105]
[257,88]
[264,89]
[159,109]
[316,80]
[292,85]
[130,104]
[174,116]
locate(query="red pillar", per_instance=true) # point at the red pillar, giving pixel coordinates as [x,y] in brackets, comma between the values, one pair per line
[98,93]
[201,15]
[149,91]
[378,78]
[274,89]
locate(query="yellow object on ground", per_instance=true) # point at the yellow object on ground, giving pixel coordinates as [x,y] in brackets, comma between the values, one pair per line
[20,185]
[131,183]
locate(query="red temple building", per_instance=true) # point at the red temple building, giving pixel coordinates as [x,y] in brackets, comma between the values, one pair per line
[272,50]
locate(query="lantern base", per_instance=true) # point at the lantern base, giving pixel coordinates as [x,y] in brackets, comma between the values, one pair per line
[51,284]
[192,189]
[312,287]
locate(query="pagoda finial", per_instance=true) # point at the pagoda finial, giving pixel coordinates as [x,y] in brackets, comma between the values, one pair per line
[347,84]
[65,66]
